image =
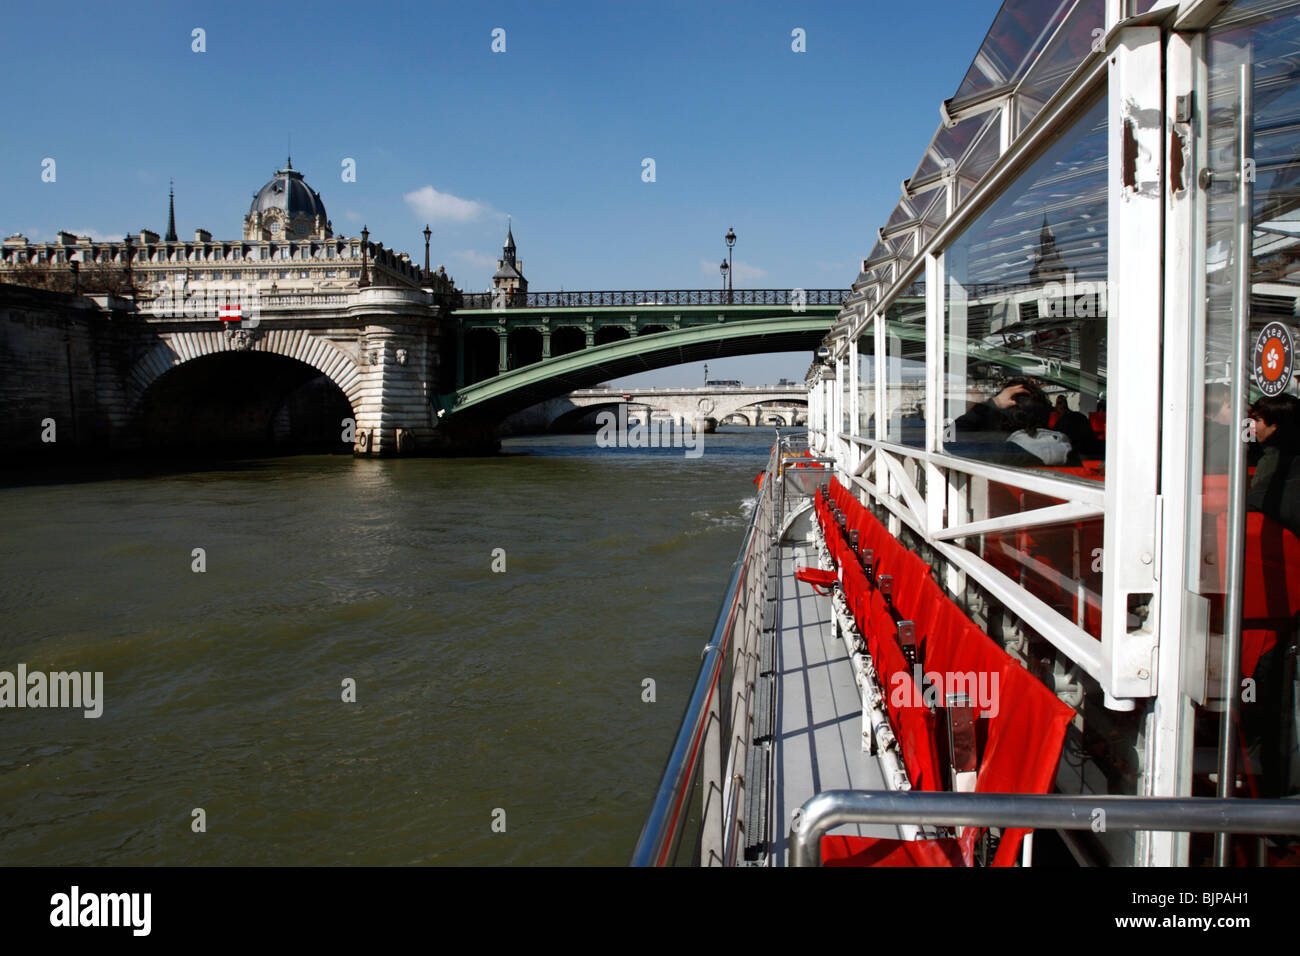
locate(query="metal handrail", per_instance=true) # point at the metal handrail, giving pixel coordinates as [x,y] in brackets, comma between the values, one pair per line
[662,829]
[1054,812]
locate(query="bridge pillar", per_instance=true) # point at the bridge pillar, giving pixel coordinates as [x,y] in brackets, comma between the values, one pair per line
[398,365]
[546,342]
[503,364]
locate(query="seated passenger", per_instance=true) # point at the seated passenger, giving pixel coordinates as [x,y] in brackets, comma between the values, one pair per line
[1011,429]
[1027,419]
[1074,426]
[988,416]
[1275,489]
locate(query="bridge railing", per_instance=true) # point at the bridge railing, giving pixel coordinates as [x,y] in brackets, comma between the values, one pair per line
[653,297]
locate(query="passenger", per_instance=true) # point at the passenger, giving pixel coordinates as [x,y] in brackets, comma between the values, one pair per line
[1074,426]
[989,416]
[1275,489]
[1011,429]
[1062,406]
[1028,418]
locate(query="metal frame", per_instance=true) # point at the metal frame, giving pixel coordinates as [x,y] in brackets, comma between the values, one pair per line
[833,808]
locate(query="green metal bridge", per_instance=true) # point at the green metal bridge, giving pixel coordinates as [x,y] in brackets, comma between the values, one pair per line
[515,350]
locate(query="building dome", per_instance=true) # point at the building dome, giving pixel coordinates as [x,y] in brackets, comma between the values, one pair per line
[287,207]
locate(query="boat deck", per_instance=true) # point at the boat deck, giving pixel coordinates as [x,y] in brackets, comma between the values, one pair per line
[816,707]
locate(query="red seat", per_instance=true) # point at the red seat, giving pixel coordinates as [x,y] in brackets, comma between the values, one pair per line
[1024,733]
[1024,746]
[1272,584]
[859,851]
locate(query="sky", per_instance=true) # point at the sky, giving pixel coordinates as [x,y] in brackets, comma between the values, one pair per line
[802,153]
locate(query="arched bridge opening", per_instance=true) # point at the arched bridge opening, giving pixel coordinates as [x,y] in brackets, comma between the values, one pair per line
[243,403]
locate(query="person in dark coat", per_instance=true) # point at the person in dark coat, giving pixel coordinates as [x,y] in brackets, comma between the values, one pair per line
[1075,426]
[1275,489]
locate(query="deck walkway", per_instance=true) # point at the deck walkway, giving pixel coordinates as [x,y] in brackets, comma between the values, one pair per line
[817,708]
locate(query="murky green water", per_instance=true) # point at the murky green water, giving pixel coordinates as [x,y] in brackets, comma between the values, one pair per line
[475,690]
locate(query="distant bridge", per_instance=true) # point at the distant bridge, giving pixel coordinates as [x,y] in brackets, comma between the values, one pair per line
[707,407]
[515,351]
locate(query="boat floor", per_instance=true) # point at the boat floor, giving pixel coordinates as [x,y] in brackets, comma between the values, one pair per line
[817,729]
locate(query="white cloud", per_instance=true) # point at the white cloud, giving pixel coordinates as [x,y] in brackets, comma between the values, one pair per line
[743,271]
[351,215]
[470,257]
[434,206]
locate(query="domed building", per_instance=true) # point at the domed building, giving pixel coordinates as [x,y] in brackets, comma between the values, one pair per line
[288,247]
[287,208]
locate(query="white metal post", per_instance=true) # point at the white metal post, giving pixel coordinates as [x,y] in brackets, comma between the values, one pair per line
[1170,772]
[1136,134]
[936,485]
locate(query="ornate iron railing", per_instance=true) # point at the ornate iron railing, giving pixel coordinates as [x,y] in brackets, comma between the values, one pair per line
[564,300]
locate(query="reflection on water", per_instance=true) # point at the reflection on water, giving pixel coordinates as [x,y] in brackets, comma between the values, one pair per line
[474,690]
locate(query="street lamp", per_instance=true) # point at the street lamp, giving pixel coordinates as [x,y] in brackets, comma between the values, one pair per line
[730,238]
[427,233]
[725,269]
[364,281]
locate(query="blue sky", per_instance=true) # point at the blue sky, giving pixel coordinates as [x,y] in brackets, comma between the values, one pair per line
[802,153]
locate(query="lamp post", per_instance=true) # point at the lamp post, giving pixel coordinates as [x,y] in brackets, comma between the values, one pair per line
[427,233]
[730,238]
[725,269]
[364,281]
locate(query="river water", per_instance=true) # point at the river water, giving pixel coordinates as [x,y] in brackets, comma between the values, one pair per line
[481,698]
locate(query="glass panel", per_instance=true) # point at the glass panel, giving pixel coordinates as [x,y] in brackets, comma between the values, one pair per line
[949,144]
[1070,47]
[1020,30]
[1253,50]
[867,383]
[905,367]
[981,158]
[1025,314]
[846,392]
[904,213]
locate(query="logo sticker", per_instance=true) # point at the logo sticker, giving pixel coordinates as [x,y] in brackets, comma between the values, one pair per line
[1274,358]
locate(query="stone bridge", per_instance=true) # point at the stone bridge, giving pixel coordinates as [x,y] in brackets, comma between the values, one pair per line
[705,407]
[370,369]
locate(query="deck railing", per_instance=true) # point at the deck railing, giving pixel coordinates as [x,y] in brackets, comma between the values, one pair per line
[1055,812]
[709,756]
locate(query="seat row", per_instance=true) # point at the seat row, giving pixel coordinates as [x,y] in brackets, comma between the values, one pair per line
[966,714]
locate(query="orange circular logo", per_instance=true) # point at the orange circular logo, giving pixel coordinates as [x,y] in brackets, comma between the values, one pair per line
[1273,357]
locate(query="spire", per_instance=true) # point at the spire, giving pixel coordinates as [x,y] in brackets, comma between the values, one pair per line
[508,251]
[1049,265]
[171,213]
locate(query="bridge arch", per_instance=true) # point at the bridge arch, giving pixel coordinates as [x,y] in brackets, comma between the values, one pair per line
[177,348]
[497,397]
